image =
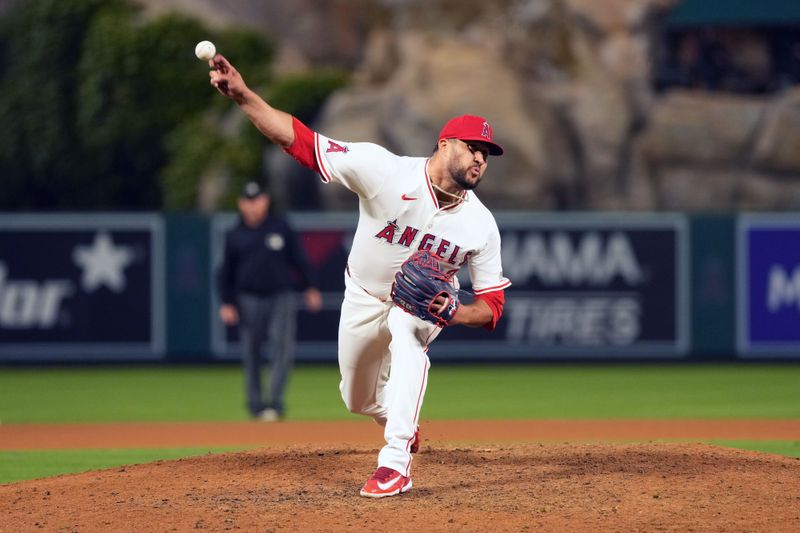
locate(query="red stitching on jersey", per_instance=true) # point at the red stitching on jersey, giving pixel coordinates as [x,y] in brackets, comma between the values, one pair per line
[495,288]
[433,194]
[325,175]
[417,409]
[430,188]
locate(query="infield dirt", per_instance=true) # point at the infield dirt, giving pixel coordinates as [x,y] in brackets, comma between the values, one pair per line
[656,486]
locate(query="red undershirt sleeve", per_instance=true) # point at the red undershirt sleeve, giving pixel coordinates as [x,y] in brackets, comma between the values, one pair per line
[496,300]
[302,149]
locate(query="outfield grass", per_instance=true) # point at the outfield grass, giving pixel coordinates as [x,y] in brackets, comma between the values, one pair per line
[628,391]
[215,393]
[779,447]
[21,465]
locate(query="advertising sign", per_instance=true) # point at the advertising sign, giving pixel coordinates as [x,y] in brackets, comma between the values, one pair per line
[590,286]
[610,286]
[81,286]
[769,285]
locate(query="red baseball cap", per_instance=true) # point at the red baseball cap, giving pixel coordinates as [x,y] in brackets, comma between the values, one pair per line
[471,128]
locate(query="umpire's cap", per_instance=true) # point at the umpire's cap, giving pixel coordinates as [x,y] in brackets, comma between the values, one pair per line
[252,189]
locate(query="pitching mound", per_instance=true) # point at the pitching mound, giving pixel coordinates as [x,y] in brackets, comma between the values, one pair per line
[652,487]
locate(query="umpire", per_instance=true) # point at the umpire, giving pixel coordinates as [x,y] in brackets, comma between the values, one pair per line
[255,287]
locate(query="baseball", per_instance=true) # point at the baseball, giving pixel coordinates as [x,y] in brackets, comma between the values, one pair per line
[205,50]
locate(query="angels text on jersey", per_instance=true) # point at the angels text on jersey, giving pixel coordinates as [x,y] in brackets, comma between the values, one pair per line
[448,251]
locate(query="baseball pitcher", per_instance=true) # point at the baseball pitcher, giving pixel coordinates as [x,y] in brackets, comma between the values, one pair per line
[419,223]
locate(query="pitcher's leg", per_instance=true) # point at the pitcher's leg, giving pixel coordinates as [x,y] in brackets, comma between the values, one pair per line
[363,352]
[406,388]
[364,367]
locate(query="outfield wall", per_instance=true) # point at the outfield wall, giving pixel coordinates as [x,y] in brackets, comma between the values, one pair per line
[610,286]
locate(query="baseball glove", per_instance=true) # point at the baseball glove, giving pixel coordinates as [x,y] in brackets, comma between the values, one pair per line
[418,283]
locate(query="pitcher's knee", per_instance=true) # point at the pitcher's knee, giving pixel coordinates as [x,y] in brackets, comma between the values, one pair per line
[352,404]
[356,409]
[367,408]
[359,408]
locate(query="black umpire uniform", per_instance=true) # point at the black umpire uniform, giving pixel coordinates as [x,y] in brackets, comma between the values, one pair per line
[256,279]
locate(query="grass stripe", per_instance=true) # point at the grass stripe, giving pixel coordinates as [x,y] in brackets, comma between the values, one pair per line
[22,465]
[215,393]
[790,448]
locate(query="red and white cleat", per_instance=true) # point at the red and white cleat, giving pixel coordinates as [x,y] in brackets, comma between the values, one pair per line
[385,482]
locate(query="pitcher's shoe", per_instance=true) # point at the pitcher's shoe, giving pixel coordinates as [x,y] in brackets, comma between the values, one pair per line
[385,482]
[417,440]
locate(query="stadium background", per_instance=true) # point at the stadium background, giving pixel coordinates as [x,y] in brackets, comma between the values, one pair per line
[679,304]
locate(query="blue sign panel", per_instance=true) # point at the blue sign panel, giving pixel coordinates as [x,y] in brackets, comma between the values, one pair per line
[590,286]
[80,286]
[769,285]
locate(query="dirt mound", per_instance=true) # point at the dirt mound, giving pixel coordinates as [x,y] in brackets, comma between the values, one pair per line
[652,487]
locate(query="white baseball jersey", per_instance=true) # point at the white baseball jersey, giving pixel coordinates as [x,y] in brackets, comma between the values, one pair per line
[399,214]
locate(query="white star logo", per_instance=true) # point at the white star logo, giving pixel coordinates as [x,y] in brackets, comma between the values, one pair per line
[103,263]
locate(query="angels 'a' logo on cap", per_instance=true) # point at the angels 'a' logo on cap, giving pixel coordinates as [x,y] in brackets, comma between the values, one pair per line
[487,131]
[471,128]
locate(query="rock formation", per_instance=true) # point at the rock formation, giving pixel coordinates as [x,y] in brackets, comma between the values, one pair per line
[568,86]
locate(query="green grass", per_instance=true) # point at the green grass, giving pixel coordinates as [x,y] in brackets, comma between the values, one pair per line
[790,448]
[21,465]
[214,393]
[157,393]
[627,391]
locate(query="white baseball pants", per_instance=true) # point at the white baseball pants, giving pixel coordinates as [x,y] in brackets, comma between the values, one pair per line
[384,368]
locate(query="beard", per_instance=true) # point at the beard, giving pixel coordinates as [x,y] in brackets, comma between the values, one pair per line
[459,175]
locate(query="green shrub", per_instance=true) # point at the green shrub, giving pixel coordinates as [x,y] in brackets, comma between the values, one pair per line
[99,100]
